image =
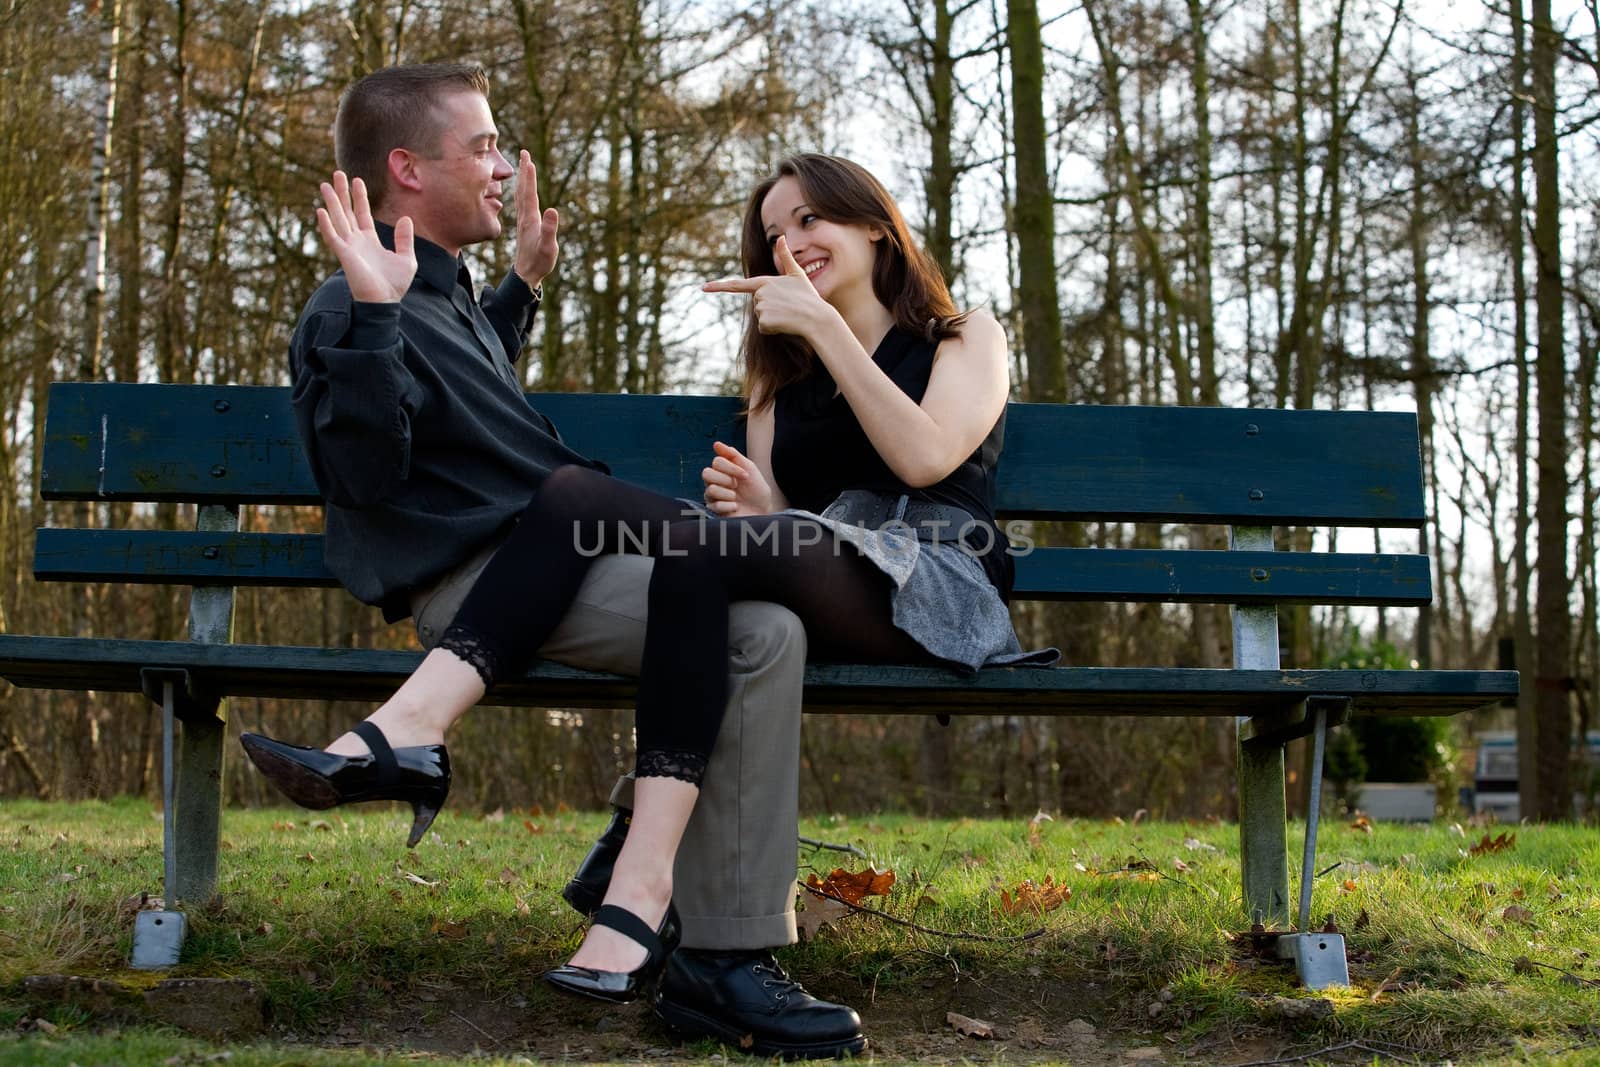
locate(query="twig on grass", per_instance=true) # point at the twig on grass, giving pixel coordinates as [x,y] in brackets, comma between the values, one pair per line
[1576,979]
[1359,1046]
[475,1026]
[851,849]
[954,934]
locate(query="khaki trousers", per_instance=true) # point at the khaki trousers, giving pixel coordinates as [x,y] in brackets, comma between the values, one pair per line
[733,881]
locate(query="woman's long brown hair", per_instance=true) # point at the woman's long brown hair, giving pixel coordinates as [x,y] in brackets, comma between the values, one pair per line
[905,279]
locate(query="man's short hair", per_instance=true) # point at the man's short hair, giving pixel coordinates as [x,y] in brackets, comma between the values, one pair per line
[396,107]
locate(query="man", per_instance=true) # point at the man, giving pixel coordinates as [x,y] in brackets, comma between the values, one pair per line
[415,425]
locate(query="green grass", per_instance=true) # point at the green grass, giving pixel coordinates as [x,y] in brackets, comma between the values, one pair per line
[338,922]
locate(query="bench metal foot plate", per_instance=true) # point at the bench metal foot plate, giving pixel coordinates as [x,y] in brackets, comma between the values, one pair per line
[1318,958]
[157,939]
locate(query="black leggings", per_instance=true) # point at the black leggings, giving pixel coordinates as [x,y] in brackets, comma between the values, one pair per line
[702,564]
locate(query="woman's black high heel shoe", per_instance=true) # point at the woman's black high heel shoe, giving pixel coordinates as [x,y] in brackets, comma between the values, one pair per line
[312,778]
[619,987]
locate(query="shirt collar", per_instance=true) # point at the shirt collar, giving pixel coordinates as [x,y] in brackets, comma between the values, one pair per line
[434,265]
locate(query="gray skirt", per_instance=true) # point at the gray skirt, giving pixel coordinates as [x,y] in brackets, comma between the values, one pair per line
[941,595]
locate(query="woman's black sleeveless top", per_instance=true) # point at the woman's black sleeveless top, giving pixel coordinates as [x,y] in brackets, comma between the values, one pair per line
[819,449]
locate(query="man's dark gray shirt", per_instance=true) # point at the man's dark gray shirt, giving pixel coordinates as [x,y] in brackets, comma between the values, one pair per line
[415,424]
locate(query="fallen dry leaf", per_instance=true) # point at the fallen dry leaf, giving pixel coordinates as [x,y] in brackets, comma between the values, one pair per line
[1035,834]
[967,1026]
[1504,843]
[1362,823]
[1046,896]
[852,886]
[532,827]
[452,931]
[1179,865]
[818,912]
[417,879]
[1516,913]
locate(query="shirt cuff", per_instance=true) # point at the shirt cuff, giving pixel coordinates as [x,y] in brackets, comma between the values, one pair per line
[374,326]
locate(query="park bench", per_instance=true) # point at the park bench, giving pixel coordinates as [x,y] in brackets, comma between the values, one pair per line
[224,448]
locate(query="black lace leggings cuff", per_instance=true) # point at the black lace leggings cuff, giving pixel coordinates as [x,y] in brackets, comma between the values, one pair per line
[658,763]
[474,651]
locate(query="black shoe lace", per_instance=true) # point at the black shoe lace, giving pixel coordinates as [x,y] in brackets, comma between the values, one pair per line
[779,979]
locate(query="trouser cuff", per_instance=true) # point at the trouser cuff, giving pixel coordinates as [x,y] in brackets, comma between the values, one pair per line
[714,933]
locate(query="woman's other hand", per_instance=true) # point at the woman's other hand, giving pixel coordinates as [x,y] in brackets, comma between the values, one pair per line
[735,486]
[782,303]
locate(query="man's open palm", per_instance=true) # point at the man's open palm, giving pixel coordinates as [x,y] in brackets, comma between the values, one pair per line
[376,275]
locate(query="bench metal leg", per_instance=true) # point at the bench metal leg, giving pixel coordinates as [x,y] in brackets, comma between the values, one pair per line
[193,875]
[1319,958]
[158,935]
[1263,817]
[1263,834]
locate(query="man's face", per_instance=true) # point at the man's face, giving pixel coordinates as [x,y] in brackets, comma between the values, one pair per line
[463,177]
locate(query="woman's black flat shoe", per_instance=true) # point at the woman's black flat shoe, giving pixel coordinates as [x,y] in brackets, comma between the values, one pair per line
[619,987]
[313,778]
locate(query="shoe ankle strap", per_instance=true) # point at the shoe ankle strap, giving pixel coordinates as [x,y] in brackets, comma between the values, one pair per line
[382,755]
[628,925]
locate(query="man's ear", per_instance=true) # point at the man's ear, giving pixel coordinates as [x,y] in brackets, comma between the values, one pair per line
[403,172]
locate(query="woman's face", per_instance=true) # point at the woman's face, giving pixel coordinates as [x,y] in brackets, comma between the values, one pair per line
[836,256]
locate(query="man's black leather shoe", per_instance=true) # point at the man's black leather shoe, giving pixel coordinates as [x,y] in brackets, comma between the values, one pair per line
[746,1001]
[588,886]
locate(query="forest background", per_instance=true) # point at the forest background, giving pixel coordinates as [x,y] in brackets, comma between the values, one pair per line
[1335,203]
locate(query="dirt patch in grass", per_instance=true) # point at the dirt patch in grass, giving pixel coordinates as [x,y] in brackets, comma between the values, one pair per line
[1035,1020]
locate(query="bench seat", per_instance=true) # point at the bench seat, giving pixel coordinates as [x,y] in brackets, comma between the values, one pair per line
[374,674]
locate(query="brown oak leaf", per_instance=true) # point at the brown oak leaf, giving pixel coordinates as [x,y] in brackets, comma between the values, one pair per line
[818,912]
[852,886]
[1040,898]
[1504,843]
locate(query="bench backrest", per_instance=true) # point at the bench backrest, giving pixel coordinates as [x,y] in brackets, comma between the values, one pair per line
[233,446]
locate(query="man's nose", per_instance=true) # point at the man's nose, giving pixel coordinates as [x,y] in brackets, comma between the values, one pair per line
[502,166]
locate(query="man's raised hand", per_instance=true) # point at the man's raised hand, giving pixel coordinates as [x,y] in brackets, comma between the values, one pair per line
[376,275]
[536,230]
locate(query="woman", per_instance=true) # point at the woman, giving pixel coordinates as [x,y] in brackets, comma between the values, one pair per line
[906,436]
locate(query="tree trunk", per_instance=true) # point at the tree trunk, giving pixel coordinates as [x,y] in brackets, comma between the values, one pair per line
[1553,615]
[1522,621]
[94,265]
[940,182]
[1421,358]
[1204,318]
[1035,215]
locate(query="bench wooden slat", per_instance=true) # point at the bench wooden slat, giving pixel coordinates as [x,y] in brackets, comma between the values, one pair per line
[372,674]
[1175,576]
[111,441]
